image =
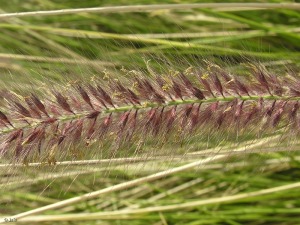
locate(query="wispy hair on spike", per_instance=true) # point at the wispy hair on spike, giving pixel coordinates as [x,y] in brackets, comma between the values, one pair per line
[4,119]
[132,110]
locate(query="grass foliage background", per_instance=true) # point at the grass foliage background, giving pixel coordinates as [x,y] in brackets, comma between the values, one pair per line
[52,50]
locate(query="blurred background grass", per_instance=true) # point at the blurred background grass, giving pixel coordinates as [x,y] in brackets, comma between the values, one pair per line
[52,49]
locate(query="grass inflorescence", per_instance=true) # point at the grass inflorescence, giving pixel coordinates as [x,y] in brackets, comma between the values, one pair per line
[117,112]
[200,146]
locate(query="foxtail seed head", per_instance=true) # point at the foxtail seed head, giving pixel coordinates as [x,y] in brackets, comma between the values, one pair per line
[115,112]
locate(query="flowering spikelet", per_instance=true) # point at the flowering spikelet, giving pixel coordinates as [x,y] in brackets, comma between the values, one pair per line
[115,112]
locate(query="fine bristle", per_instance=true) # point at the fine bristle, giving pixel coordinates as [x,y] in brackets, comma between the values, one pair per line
[117,113]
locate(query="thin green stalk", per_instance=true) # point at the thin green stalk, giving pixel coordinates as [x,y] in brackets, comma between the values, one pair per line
[141,8]
[293,38]
[121,186]
[191,204]
[54,59]
[172,44]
